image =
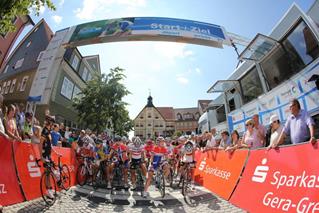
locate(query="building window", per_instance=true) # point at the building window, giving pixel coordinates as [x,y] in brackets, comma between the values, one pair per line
[40,55]
[19,63]
[76,92]
[231,104]
[75,62]
[28,44]
[13,85]
[188,116]
[149,116]
[179,116]
[67,88]
[84,74]
[6,69]
[251,85]
[149,125]
[24,83]
[141,125]
[299,48]
[141,117]
[7,87]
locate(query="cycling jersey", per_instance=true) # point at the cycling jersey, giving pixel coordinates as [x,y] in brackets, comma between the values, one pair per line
[46,146]
[102,152]
[158,156]
[148,150]
[170,150]
[136,151]
[187,152]
[120,152]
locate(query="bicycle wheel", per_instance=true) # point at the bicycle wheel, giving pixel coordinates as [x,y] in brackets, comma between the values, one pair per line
[186,184]
[65,177]
[161,184]
[48,188]
[81,175]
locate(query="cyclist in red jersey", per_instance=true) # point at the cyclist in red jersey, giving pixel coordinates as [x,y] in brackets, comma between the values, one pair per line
[118,155]
[157,159]
[148,150]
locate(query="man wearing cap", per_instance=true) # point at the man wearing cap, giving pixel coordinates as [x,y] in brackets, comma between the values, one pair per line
[276,129]
[299,125]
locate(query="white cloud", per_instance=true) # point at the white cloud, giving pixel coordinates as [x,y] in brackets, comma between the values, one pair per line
[100,8]
[182,80]
[171,50]
[197,70]
[57,19]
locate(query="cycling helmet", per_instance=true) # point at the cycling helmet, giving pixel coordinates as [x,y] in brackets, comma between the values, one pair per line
[137,141]
[159,139]
[124,139]
[117,138]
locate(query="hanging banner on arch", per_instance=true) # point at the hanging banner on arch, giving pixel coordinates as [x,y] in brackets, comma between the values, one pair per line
[149,29]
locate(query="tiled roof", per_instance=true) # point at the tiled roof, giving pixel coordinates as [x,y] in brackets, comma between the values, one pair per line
[166,112]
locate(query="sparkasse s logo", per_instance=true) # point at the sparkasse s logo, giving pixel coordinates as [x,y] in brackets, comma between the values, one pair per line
[261,172]
[33,168]
[202,165]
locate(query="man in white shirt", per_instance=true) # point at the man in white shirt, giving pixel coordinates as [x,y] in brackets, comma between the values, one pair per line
[211,141]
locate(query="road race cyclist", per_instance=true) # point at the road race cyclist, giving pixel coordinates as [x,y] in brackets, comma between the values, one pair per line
[118,155]
[136,156]
[148,150]
[102,155]
[46,147]
[157,159]
[187,154]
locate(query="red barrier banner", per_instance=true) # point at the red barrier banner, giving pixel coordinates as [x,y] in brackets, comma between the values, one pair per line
[28,171]
[68,158]
[286,179]
[10,192]
[219,171]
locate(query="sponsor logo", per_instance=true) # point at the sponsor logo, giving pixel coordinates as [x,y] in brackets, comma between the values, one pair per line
[202,165]
[213,171]
[33,168]
[261,172]
[2,189]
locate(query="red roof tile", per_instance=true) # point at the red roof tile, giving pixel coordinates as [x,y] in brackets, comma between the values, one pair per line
[166,112]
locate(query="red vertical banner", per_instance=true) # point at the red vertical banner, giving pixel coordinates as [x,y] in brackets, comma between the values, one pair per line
[10,192]
[68,158]
[28,171]
[219,171]
[282,180]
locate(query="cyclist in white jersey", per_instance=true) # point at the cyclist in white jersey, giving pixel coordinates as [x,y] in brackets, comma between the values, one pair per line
[136,156]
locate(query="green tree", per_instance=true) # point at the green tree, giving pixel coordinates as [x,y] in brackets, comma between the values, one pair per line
[101,105]
[9,9]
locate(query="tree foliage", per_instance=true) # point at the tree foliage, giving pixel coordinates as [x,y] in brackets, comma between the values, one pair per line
[9,9]
[101,105]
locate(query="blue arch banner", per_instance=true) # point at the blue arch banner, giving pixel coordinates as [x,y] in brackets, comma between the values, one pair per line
[148,29]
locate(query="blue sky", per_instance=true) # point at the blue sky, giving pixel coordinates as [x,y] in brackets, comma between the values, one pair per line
[177,74]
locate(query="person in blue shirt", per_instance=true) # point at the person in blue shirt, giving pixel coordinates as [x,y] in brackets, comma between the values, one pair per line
[56,136]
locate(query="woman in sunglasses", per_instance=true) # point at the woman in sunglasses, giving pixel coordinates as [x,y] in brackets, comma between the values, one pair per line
[252,137]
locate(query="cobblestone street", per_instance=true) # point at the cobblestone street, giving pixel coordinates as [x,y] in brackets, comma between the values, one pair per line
[82,199]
